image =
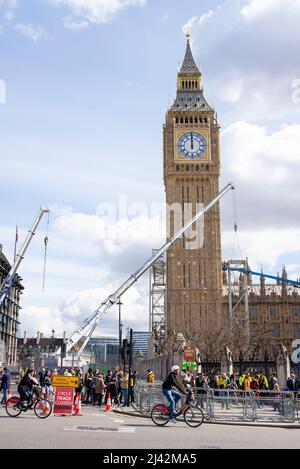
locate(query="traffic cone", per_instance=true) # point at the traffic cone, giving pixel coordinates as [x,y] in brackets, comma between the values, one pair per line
[46,408]
[78,406]
[108,403]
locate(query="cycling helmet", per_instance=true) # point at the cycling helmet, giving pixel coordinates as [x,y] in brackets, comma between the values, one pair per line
[175,368]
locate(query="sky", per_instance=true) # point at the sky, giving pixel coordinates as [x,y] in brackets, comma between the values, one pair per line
[84,88]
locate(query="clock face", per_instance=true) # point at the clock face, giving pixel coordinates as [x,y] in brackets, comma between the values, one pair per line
[192,145]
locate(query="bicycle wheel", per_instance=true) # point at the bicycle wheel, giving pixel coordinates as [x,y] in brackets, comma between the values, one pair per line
[42,408]
[193,416]
[160,415]
[12,407]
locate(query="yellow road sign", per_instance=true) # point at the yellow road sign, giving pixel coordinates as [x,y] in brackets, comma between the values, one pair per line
[65,381]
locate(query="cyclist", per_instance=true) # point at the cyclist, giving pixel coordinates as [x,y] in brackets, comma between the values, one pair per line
[27,386]
[170,393]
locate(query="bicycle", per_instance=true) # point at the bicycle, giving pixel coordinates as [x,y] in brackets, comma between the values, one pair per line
[42,407]
[192,414]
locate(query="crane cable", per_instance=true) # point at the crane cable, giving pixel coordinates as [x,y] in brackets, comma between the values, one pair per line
[235,227]
[46,240]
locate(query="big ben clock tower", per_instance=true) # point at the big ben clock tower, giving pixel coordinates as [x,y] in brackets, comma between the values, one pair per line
[191,177]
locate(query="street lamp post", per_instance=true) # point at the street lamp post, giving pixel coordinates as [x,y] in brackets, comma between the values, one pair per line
[120,333]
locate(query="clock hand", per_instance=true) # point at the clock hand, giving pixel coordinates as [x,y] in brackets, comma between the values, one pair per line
[192,142]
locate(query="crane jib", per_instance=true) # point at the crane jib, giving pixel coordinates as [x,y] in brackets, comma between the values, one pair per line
[90,324]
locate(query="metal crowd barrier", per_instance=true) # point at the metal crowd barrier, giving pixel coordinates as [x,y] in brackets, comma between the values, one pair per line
[232,405]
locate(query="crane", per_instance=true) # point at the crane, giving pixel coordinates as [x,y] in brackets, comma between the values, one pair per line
[89,325]
[8,282]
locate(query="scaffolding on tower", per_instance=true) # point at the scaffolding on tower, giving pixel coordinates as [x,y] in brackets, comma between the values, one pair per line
[157,305]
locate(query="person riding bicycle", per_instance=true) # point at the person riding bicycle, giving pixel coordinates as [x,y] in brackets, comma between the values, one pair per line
[27,386]
[170,393]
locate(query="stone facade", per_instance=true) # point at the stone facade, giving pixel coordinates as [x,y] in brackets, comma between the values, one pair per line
[191,177]
[274,314]
[9,314]
[197,301]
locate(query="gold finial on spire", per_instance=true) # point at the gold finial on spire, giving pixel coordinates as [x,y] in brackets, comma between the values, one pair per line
[187,31]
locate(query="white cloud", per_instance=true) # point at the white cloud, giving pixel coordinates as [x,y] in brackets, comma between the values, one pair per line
[75,25]
[94,11]
[249,52]
[265,167]
[265,247]
[30,31]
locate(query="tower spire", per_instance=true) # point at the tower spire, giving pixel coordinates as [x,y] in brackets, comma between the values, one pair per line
[189,66]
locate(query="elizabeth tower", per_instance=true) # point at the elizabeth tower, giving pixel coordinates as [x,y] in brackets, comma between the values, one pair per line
[191,178]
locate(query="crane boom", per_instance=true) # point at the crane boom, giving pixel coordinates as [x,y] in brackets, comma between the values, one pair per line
[90,324]
[8,282]
[261,274]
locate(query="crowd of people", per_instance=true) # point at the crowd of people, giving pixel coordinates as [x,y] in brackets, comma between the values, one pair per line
[229,388]
[94,386]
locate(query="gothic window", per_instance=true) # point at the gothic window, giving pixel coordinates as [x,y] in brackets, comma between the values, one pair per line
[186,120]
[275,331]
[253,312]
[187,168]
[181,120]
[253,331]
[191,120]
[177,120]
[274,313]
[197,167]
[201,120]
[296,331]
[296,312]
[196,120]
[205,120]
[207,168]
[177,167]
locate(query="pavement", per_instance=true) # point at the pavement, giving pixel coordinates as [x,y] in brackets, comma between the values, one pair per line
[110,430]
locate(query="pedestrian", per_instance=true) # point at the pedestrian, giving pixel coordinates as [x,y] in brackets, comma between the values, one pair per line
[273,381]
[79,388]
[99,388]
[5,384]
[41,375]
[48,384]
[108,377]
[88,382]
[277,398]
[133,382]
[54,372]
[124,386]
[112,390]
[201,389]
[247,384]
[223,384]
[291,383]
[254,386]
[150,377]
